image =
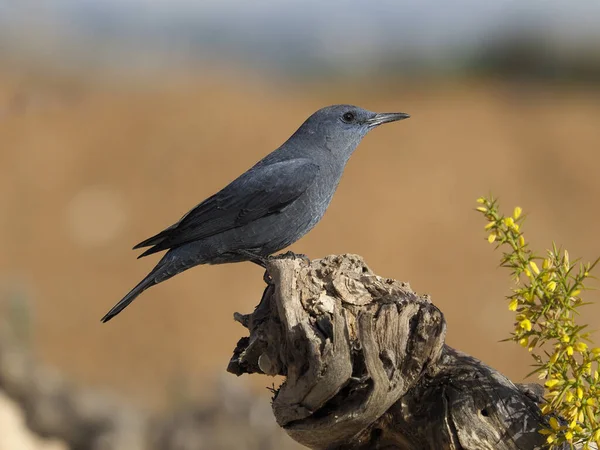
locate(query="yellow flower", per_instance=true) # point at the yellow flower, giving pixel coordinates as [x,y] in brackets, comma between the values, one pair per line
[509,222]
[546,277]
[522,241]
[566,338]
[596,351]
[481,200]
[492,238]
[569,436]
[553,382]
[553,423]
[551,286]
[523,342]
[482,209]
[579,392]
[534,267]
[525,324]
[517,212]
[512,306]
[527,273]
[570,350]
[569,397]
[546,263]
[575,293]
[581,347]
[489,225]
[554,358]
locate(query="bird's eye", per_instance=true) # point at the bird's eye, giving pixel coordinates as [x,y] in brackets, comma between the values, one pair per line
[348,117]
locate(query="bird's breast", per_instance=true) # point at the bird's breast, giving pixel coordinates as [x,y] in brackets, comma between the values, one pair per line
[310,207]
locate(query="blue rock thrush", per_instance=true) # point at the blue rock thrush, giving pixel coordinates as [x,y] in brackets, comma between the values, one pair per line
[270,206]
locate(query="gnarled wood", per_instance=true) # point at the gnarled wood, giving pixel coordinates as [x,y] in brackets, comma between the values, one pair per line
[366,366]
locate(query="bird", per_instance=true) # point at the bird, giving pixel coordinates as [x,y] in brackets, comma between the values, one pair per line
[267,208]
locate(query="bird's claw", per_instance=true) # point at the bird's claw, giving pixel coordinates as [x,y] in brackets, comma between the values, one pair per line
[291,255]
[254,258]
[287,255]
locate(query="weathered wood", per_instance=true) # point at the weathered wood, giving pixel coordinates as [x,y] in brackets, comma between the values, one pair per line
[366,366]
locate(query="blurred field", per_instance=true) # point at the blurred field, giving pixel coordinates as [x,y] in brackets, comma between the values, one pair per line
[88,169]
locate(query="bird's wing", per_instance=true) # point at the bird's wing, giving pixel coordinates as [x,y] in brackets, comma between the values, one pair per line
[262,191]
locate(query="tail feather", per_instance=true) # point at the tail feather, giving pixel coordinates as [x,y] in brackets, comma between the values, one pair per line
[174,262]
[164,270]
[147,282]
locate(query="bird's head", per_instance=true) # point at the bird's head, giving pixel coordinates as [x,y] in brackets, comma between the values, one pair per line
[342,127]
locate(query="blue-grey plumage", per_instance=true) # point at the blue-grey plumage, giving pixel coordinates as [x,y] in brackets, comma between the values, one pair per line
[267,208]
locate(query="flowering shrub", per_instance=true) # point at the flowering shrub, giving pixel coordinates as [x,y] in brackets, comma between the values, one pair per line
[547,302]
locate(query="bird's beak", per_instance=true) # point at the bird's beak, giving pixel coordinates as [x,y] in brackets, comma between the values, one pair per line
[380,118]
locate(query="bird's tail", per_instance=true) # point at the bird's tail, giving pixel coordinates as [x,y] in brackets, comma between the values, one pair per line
[165,269]
[131,296]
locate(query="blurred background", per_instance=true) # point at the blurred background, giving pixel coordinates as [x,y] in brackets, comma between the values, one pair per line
[118,116]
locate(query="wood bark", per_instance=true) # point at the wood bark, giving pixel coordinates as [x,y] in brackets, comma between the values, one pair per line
[366,366]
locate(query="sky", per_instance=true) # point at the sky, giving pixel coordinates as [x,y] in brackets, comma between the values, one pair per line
[340,31]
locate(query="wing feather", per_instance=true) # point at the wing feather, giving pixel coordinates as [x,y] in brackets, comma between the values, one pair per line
[262,191]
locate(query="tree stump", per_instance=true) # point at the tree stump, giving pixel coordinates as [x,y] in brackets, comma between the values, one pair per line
[366,366]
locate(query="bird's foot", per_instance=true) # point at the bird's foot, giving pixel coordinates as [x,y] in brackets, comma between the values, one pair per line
[259,260]
[291,255]
[263,261]
[287,255]
[253,257]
